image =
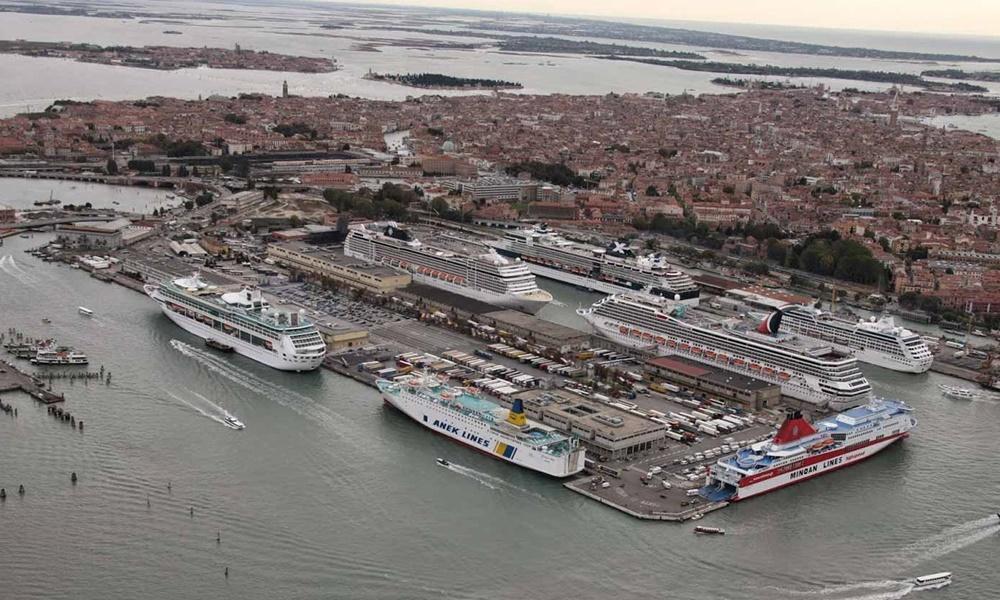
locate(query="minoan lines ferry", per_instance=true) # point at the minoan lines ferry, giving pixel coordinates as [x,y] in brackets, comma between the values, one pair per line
[244,320]
[800,451]
[474,421]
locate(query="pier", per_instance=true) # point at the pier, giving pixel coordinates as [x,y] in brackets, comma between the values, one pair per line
[12,379]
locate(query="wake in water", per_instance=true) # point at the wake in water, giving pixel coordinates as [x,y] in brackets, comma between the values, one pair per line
[490,481]
[303,405]
[205,408]
[933,547]
[9,266]
[952,539]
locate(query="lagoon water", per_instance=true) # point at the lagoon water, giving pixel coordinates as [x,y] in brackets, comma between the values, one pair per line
[328,493]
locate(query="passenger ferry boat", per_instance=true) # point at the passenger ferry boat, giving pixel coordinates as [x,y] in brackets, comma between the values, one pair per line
[242,319]
[805,369]
[878,342]
[613,270]
[59,356]
[449,263]
[465,416]
[800,451]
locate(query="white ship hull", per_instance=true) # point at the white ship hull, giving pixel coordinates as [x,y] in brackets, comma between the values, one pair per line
[880,359]
[597,285]
[799,386]
[818,465]
[261,355]
[479,436]
[529,303]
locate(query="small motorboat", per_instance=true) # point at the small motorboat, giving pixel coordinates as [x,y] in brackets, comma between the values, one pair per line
[218,346]
[234,422]
[934,580]
[46,320]
[85,311]
[443,463]
[957,393]
[697,516]
[702,529]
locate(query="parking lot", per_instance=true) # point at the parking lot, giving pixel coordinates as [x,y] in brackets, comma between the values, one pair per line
[322,302]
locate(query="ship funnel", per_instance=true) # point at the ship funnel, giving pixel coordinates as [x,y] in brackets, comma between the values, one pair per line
[516,415]
[794,428]
[770,325]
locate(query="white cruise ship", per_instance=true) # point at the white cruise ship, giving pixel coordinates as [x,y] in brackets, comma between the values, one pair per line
[474,421]
[613,270]
[807,370]
[878,342]
[450,263]
[242,320]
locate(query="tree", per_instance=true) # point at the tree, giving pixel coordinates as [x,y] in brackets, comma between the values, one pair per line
[165,171]
[295,221]
[652,191]
[182,171]
[112,167]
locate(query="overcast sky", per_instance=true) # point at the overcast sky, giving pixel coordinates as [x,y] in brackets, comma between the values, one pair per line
[975,17]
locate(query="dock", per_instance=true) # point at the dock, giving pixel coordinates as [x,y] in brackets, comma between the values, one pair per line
[12,379]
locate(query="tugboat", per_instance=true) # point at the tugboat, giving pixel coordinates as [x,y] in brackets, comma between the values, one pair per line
[219,346]
[443,463]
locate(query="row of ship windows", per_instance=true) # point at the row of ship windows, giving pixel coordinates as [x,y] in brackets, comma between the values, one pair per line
[845,371]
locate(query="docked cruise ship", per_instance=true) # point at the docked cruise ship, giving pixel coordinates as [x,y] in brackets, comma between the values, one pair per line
[613,270]
[800,451]
[876,341]
[474,421]
[243,320]
[805,369]
[450,263]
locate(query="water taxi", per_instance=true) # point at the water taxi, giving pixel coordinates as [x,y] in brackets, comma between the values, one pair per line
[936,579]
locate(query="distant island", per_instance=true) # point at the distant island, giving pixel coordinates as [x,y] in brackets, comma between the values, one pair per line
[756,83]
[829,73]
[564,46]
[168,58]
[443,82]
[991,76]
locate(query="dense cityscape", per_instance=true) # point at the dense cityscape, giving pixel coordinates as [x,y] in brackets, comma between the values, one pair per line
[640,308]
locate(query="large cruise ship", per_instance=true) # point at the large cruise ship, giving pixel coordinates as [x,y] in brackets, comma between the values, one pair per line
[450,263]
[800,451]
[879,342]
[613,270]
[805,369]
[242,320]
[474,421]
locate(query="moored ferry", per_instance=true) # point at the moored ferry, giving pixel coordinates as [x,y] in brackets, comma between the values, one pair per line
[243,320]
[805,369]
[800,451]
[875,341]
[466,417]
[450,263]
[613,270]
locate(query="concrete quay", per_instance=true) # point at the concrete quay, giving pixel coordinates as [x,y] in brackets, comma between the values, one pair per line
[632,491]
[12,379]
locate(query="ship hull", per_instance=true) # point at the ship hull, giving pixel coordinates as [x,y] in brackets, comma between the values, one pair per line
[580,281]
[529,304]
[478,436]
[800,387]
[814,467]
[246,349]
